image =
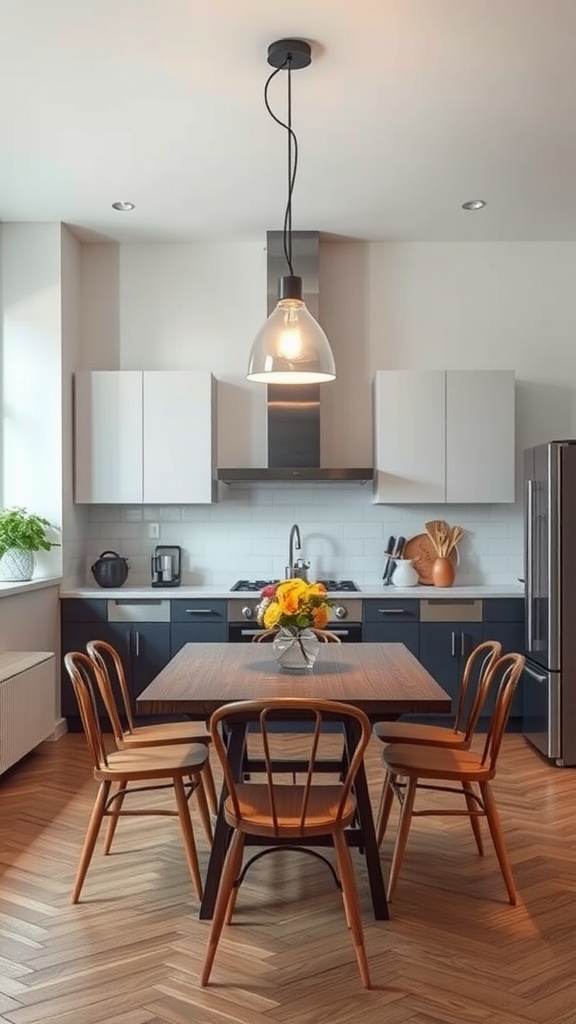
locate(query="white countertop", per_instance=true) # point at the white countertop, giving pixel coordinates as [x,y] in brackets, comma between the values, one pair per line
[147,593]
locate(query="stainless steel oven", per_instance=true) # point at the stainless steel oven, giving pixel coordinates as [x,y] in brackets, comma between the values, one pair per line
[345,619]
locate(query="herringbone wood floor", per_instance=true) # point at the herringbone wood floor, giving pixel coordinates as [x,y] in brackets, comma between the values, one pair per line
[454,951]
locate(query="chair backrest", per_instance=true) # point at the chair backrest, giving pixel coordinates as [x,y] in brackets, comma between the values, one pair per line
[109,667]
[324,636]
[503,677]
[82,672]
[292,709]
[264,636]
[472,694]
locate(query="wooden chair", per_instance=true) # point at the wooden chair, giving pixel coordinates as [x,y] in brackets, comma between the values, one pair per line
[109,664]
[294,812]
[174,763]
[324,635]
[470,702]
[441,768]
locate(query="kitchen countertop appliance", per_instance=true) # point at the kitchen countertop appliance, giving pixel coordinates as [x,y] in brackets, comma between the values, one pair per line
[166,566]
[345,615]
[110,569]
[549,681]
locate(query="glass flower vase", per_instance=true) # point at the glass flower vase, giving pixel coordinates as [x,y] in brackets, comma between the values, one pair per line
[295,650]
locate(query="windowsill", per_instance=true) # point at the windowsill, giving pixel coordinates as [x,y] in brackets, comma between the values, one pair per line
[9,589]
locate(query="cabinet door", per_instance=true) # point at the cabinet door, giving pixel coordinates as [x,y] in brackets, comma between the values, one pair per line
[150,643]
[179,437]
[75,636]
[480,436]
[444,647]
[108,437]
[511,636]
[410,435]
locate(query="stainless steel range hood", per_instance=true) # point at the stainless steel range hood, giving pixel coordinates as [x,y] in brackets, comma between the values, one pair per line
[293,410]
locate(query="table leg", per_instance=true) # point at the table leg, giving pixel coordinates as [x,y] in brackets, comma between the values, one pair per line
[236,743]
[366,820]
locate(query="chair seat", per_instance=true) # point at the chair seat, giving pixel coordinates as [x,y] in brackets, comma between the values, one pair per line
[153,762]
[165,732]
[414,732]
[321,815]
[427,762]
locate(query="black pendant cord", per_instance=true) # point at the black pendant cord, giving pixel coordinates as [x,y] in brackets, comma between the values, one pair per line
[292,160]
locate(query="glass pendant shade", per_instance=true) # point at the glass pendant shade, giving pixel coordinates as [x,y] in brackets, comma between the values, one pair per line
[291,348]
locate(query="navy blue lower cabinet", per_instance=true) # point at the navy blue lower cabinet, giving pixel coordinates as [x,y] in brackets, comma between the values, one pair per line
[388,620]
[504,621]
[144,648]
[197,621]
[444,649]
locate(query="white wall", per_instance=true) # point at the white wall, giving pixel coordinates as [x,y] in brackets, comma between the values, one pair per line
[383,305]
[31,375]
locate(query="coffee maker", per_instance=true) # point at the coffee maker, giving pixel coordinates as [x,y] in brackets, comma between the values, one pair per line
[166,562]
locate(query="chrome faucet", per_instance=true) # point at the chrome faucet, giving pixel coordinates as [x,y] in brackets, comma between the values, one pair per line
[295,542]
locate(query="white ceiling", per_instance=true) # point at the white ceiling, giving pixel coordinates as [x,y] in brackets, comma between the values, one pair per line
[410,108]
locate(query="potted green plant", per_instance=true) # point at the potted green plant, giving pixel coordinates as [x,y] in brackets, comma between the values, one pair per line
[21,534]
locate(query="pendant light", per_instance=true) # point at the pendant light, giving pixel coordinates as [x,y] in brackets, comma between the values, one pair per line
[291,347]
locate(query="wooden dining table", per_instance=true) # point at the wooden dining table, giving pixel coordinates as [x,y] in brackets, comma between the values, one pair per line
[385,680]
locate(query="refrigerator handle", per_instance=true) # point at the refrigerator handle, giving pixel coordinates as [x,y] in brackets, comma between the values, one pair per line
[530,565]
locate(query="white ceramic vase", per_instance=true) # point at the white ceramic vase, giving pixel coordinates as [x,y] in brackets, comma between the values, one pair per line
[405,574]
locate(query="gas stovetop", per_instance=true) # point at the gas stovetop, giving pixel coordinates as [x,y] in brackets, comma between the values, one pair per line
[337,586]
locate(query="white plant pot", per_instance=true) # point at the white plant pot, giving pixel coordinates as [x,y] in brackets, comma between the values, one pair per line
[16,565]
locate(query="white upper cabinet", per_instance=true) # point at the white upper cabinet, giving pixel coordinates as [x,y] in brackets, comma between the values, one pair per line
[145,437]
[444,436]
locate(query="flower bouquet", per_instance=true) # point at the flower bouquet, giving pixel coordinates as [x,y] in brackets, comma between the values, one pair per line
[295,608]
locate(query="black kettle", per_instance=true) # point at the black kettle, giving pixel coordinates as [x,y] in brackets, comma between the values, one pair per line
[110,569]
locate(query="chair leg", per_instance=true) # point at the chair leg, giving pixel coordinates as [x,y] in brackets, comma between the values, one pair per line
[113,815]
[473,807]
[188,834]
[402,835]
[202,804]
[498,840]
[386,800]
[229,874]
[90,839]
[351,903]
[235,890]
[209,787]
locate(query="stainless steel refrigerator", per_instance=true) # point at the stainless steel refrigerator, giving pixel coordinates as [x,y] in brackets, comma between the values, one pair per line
[549,682]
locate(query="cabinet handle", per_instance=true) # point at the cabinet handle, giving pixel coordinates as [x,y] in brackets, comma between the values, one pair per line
[137,644]
[462,645]
[392,611]
[453,652]
[128,645]
[199,611]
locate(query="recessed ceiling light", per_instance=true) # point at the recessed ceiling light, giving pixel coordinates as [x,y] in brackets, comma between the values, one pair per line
[123,207]
[474,204]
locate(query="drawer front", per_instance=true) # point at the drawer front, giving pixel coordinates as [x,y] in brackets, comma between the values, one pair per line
[393,633]
[389,610]
[199,611]
[83,609]
[195,633]
[504,609]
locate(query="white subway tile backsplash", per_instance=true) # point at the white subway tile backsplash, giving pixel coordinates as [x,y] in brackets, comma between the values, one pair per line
[343,534]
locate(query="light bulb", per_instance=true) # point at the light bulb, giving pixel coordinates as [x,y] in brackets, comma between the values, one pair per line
[291,348]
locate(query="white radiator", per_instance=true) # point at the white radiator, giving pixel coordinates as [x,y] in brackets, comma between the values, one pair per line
[27,702]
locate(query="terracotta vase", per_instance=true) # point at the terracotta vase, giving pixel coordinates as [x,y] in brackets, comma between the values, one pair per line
[443,572]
